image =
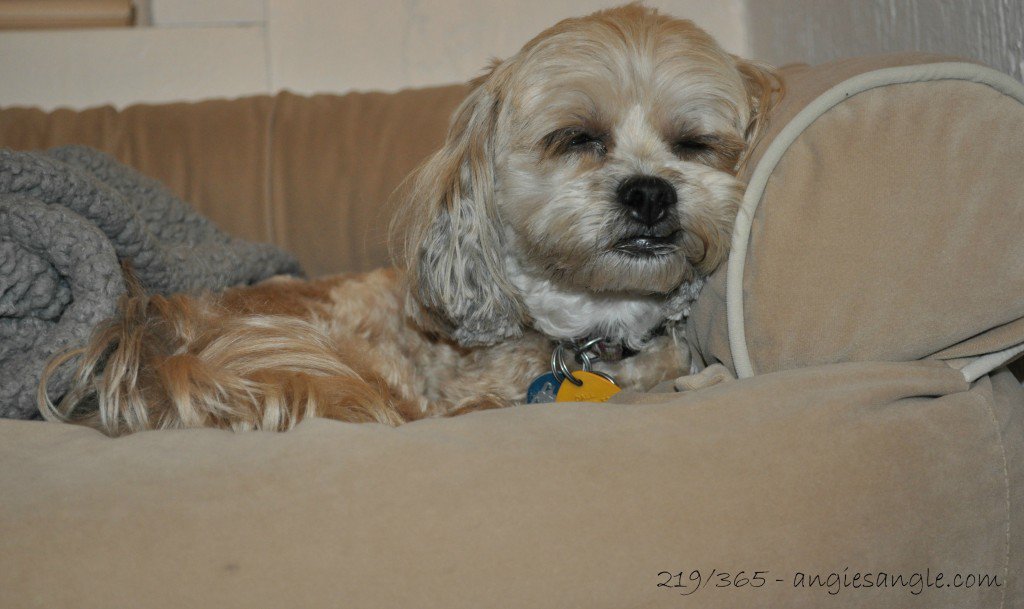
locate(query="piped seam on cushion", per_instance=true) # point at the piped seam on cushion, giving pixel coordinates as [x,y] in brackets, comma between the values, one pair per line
[777,149]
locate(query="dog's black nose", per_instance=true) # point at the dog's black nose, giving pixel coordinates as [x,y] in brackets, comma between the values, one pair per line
[648,198]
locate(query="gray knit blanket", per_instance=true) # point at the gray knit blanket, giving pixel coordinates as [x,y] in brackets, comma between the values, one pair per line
[68,217]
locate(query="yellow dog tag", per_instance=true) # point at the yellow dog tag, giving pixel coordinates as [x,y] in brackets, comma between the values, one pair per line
[595,388]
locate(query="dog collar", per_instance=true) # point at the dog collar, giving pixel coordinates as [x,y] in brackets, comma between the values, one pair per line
[612,351]
[603,349]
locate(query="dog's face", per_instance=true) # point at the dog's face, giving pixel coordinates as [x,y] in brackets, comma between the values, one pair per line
[596,164]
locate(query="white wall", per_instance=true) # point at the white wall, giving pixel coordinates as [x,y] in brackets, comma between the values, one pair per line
[228,48]
[991,31]
[82,68]
[178,13]
[324,45]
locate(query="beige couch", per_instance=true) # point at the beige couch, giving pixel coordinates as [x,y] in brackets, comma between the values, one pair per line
[874,293]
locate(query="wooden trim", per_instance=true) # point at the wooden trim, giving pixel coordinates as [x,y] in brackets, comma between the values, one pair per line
[62,14]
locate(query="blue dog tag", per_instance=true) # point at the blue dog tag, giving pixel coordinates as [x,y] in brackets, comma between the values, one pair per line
[543,389]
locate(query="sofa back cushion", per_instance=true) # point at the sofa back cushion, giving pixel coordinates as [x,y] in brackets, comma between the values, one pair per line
[337,160]
[211,153]
[311,174]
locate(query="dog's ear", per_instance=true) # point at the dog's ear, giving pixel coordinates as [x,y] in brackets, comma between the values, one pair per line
[454,253]
[764,89]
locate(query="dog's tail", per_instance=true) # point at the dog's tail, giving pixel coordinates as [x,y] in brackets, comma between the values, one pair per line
[174,362]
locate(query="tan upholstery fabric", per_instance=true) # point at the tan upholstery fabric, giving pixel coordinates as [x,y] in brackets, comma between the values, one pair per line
[1008,413]
[311,174]
[898,467]
[336,161]
[804,83]
[908,221]
[890,229]
[212,153]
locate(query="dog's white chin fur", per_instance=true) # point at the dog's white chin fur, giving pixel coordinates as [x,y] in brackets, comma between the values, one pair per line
[566,313]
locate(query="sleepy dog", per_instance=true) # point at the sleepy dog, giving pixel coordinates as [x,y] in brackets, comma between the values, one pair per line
[586,188]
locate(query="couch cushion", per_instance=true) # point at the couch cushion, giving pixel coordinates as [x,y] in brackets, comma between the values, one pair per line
[213,154]
[882,221]
[336,161]
[894,467]
[313,175]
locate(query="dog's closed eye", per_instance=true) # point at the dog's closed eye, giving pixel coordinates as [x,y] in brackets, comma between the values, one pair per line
[691,145]
[570,140]
[714,150]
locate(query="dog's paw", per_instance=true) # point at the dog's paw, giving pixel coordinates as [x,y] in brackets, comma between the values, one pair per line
[712,375]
